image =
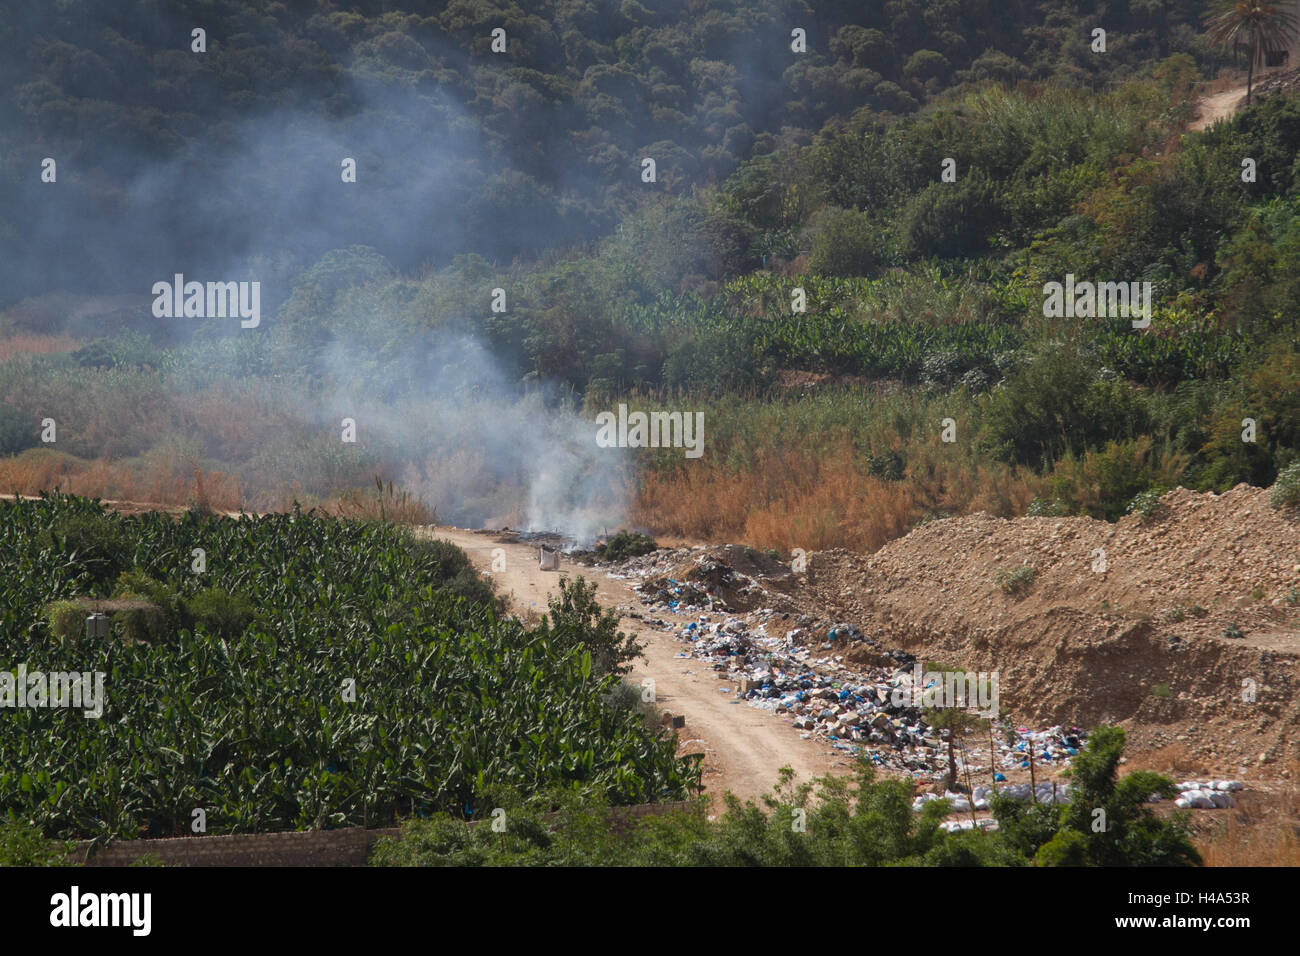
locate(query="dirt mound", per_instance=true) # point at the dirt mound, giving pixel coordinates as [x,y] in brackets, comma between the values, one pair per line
[1182,626]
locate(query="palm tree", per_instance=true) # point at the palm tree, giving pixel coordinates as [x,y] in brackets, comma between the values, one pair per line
[1262,27]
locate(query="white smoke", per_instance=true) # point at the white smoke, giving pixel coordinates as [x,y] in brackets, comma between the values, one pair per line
[481,450]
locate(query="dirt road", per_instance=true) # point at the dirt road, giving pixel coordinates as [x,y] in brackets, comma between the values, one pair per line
[743,747]
[1217,107]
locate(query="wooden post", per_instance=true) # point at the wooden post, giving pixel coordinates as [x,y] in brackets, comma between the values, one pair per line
[1033,786]
[993,761]
[970,791]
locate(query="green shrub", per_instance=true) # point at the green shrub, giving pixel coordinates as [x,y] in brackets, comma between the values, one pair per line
[97,541]
[149,624]
[1054,404]
[845,242]
[1047,508]
[950,220]
[130,349]
[1133,835]
[1286,490]
[66,619]
[1102,482]
[625,544]
[1147,505]
[448,568]
[220,613]
[713,362]
[1015,580]
[577,620]
[18,431]
[628,696]
[927,64]
[886,467]
[1067,848]
[23,845]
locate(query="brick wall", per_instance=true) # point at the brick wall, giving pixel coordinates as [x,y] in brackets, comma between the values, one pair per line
[345,847]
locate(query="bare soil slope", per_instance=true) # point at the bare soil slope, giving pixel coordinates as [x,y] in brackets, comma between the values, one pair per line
[1147,639]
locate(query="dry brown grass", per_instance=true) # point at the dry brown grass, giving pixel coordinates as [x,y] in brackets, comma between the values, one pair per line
[387,503]
[793,498]
[236,424]
[1172,760]
[180,483]
[36,345]
[1263,829]
[44,470]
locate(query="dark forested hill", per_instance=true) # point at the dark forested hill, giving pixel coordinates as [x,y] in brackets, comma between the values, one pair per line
[841,249]
[229,160]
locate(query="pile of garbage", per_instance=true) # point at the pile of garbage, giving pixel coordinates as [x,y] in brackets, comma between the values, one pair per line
[784,673]
[1212,795]
[978,799]
[983,823]
[1042,792]
[723,579]
[1050,747]
[793,665]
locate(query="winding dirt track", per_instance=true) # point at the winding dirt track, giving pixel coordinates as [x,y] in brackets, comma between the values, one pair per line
[1217,107]
[743,747]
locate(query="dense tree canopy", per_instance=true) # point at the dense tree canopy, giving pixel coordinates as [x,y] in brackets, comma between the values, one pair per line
[173,160]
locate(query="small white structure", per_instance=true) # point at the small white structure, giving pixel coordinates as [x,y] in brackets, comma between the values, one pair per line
[548,560]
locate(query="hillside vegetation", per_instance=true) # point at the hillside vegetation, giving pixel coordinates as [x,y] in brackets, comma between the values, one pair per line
[194,161]
[924,298]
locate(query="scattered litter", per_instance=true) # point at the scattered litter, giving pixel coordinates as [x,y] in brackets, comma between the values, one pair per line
[1211,795]
[784,663]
